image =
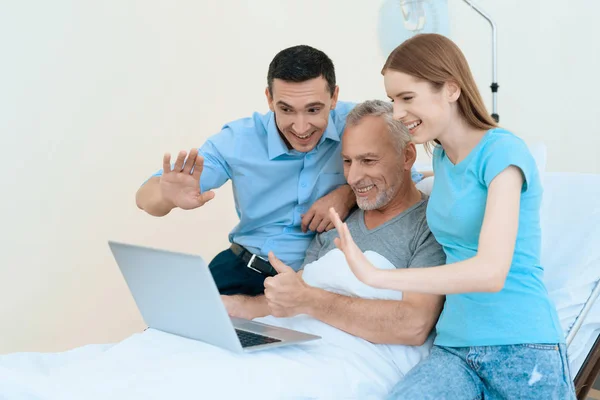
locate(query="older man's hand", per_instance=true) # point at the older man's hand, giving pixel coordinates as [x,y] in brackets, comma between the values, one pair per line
[287,294]
[318,219]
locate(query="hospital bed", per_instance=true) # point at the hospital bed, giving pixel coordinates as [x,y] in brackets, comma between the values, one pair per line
[571,260]
[571,257]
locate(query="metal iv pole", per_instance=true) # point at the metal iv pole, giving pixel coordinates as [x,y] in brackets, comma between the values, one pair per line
[494,86]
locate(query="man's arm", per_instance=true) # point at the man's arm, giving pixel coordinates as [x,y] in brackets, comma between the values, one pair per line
[150,199]
[246,307]
[188,183]
[408,321]
[317,218]
[176,187]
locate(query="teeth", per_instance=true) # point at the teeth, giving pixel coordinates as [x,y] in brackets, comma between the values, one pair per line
[365,189]
[414,124]
[303,137]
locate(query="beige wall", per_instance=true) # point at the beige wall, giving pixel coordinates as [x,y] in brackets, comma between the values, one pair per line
[91,95]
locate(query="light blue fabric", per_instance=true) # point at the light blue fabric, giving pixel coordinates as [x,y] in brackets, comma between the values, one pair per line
[522,311]
[272,185]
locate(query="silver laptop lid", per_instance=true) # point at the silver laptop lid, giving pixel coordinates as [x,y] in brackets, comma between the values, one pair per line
[175,293]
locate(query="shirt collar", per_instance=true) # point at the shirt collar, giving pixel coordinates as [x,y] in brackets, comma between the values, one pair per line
[277,145]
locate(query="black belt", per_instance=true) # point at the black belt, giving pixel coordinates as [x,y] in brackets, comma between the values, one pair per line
[253,261]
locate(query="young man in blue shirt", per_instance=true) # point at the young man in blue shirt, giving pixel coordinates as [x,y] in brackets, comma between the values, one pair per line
[285,168]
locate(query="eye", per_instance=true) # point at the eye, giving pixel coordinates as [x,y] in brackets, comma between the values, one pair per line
[347,162]
[407,98]
[314,110]
[368,161]
[286,109]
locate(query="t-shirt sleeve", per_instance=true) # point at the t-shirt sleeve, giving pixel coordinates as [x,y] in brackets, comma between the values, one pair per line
[428,252]
[216,170]
[501,154]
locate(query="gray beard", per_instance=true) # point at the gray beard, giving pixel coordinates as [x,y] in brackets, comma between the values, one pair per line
[381,200]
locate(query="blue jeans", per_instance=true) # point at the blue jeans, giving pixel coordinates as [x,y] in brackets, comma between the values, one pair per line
[523,371]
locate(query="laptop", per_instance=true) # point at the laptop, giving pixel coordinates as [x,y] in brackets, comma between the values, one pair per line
[176,293]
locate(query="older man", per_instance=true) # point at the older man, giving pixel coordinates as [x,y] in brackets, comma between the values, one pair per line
[378,156]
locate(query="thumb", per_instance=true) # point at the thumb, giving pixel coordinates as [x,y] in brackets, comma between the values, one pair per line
[206,197]
[279,266]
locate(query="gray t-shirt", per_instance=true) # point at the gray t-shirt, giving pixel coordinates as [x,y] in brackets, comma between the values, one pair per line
[404,240]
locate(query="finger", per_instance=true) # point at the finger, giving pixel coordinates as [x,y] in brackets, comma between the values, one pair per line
[338,243]
[190,161]
[323,225]
[205,197]
[198,167]
[268,283]
[307,218]
[345,234]
[329,227]
[180,161]
[314,224]
[335,218]
[277,312]
[279,266]
[166,163]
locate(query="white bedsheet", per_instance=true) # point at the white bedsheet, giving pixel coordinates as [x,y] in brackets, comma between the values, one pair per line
[157,365]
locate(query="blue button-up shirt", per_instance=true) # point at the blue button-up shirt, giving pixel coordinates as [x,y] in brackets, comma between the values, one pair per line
[273,185]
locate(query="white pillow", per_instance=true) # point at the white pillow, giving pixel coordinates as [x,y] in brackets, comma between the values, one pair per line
[332,273]
[426,185]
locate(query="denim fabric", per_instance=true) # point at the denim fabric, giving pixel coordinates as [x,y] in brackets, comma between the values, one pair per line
[523,371]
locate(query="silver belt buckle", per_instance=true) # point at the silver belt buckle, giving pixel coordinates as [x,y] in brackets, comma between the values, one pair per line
[249,265]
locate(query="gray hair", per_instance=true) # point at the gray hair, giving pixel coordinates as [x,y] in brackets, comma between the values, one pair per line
[384,109]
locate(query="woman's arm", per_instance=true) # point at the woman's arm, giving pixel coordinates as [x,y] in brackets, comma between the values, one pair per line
[485,272]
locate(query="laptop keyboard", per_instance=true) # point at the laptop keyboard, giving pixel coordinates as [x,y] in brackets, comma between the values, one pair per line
[249,339]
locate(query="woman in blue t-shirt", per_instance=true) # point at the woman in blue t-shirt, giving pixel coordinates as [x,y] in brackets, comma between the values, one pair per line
[498,336]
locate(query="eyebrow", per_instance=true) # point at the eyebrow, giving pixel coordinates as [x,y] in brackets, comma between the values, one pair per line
[309,105]
[362,156]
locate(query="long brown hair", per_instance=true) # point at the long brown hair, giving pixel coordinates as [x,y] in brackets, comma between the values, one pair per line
[437,59]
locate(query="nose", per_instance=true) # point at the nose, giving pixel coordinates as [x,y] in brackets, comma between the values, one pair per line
[353,174]
[399,111]
[300,125]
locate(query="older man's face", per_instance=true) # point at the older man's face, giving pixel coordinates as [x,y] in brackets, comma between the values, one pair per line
[372,165]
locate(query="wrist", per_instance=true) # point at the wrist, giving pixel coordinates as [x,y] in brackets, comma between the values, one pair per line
[378,279]
[313,300]
[162,201]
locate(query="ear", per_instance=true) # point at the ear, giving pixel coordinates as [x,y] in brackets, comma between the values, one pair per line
[334,98]
[410,156]
[269,99]
[452,91]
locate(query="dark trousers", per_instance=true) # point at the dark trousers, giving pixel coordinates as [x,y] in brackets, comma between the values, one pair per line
[233,277]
